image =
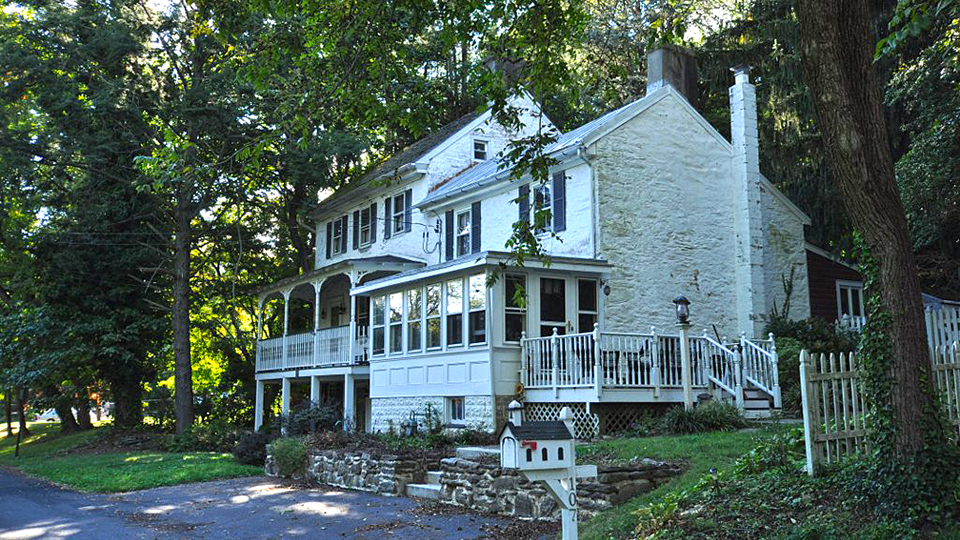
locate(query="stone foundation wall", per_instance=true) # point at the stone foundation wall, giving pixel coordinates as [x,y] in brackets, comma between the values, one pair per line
[478,410]
[484,486]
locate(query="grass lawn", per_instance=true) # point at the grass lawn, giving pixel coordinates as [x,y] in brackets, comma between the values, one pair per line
[703,451]
[44,454]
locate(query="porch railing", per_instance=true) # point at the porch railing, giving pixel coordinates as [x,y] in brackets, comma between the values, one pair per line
[325,347]
[617,360]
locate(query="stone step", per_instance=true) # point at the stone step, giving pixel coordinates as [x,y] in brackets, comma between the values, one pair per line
[751,393]
[433,477]
[754,414]
[472,452]
[424,491]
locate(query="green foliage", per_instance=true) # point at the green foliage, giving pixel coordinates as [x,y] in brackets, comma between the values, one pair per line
[251,448]
[206,437]
[918,487]
[708,416]
[311,419]
[290,455]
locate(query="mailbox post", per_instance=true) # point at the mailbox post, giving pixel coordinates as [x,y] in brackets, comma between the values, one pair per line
[546,452]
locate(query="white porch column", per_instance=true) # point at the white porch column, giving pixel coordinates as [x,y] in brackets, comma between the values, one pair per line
[314,390]
[285,397]
[352,339]
[258,412]
[259,336]
[686,373]
[348,402]
[316,323]
[286,325]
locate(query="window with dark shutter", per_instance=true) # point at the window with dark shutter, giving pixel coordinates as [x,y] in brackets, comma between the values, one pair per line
[373,223]
[387,218]
[329,237]
[475,224]
[343,238]
[408,210]
[559,202]
[356,229]
[448,235]
[524,199]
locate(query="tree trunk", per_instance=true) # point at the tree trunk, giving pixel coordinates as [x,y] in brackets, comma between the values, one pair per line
[127,403]
[68,422]
[22,413]
[8,409]
[183,368]
[83,411]
[836,46]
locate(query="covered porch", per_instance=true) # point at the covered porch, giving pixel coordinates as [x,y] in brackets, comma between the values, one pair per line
[311,326]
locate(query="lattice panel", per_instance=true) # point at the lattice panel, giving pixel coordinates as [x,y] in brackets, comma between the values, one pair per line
[620,418]
[587,425]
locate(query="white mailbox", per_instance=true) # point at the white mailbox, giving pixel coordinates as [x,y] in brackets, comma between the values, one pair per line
[546,451]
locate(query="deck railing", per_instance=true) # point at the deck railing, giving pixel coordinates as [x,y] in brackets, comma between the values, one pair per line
[619,360]
[325,347]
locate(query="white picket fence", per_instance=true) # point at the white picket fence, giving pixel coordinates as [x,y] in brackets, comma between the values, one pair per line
[834,408]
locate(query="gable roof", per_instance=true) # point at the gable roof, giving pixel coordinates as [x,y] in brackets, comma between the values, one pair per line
[492,170]
[407,156]
[551,430]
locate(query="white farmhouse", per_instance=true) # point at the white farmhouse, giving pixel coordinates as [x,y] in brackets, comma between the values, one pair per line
[648,201]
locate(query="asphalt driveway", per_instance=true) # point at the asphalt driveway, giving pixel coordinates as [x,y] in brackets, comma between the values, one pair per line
[257,507]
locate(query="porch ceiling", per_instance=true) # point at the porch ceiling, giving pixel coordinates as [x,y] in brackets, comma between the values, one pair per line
[389,263]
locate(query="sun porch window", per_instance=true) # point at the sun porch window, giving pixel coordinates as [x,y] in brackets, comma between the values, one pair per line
[478,309]
[379,318]
[396,322]
[454,312]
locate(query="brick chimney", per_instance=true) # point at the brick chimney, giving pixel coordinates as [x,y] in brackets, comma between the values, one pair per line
[675,66]
[751,299]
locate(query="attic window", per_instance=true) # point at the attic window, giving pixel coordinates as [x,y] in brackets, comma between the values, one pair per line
[479,150]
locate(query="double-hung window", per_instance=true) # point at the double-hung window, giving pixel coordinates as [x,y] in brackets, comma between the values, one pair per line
[515,306]
[414,314]
[379,306]
[399,209]
[365,226]
[455,312]
[396,322]
[478,308]
[479,150]
[338,245]
[463,233]
[542,208]
[434,334]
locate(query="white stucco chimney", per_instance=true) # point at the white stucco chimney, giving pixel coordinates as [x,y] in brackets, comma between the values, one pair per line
[675,66]
[751,299]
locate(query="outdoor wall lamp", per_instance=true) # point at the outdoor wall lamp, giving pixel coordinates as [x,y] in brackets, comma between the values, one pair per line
[605,287]
[683,309]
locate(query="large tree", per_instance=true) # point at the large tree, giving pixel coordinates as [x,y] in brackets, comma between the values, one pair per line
[837,44]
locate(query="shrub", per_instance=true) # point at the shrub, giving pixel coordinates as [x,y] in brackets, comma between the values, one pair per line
[290,455]
[709,416]
[310,419]
[207,437]
[251,447]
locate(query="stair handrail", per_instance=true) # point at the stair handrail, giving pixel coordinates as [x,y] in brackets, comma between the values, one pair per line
[736,391]
[754,373]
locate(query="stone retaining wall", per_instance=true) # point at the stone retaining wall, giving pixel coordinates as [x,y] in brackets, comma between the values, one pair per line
[484,486]
[383,475]
[481,484]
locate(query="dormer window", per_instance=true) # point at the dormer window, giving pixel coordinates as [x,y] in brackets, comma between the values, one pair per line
[463,233]
[479,150]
